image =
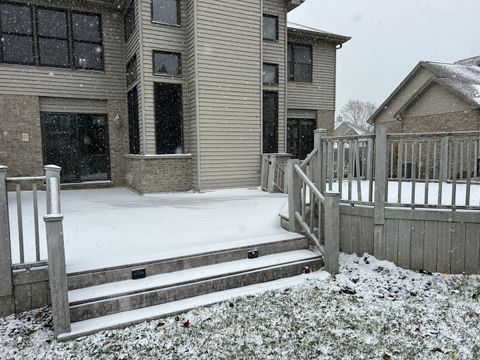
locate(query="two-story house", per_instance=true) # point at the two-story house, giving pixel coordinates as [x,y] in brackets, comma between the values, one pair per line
[160,95]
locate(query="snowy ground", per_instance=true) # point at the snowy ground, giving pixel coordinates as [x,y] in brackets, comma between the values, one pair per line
[111,227]
[372,310]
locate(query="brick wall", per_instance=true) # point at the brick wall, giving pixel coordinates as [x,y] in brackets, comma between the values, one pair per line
[20,115]
[326,120]
[159,173]
[118,137]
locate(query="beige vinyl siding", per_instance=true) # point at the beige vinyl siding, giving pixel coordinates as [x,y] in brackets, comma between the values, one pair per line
[80,106]
[302,114]
[436,100]
[133,47]
[320,94]
[229,92]
[413,86]
[191,87]
[54,82]
[160,37]
[274,53]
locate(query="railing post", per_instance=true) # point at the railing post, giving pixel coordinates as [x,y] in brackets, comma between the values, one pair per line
[6,304]
[264,172]
[380,192]
[443,176]
[294,195]
[53,188]
[332,232]
[319,178]
[272,163]
[57,272]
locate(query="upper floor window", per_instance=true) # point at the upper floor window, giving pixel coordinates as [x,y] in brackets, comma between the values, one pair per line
[166,11]
[300,62]
[270,74]
[167,63]
[63,38]
[87,41]
[132,70]
[129,20]
[16,34]
[52,32]
[270,27]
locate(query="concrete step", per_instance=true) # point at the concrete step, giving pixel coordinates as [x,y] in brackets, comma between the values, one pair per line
[107,299]
[287,242]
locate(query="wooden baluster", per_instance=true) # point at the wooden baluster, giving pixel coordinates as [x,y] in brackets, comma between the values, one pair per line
[400,170]
[350,169]
[454,172]
[469,174]
[20,223]
[330,165]
[340,166]
[414,173]
[357,169]
[427,171]
[35,219]
[370,161]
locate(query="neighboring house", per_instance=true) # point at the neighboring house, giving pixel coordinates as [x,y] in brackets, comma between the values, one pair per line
[160,95]
[434,97]
[345,128]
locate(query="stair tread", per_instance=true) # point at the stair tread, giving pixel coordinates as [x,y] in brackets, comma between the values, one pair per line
[119,288]
[86,327]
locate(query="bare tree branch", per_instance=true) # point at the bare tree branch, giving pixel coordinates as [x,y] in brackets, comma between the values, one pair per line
[357,112]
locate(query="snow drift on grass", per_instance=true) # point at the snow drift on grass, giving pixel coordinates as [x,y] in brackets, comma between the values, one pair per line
[372,310]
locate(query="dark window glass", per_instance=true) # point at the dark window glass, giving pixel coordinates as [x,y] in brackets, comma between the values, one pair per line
[300,63]
[52,37]
[270,74]
[79,144]
[165,63]
[270,27]
[168,118]
[129,20]
[300,137]
[133,123]
[87,44]
[270,122]
[16,34]
[132,70]
[166,11]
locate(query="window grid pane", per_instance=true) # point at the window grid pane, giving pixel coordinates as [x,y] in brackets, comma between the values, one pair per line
[270,74]
[16,34]
[87,41]
[166,11]
[300,63]
[270,27]
[52,33]
[166,63]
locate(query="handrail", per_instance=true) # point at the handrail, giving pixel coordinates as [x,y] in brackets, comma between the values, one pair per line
[308,159]
[25,178]
[433,134]
[308,182]
[350,137]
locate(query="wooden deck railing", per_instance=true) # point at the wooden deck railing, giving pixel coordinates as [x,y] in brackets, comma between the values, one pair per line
[311,211]
[54,235]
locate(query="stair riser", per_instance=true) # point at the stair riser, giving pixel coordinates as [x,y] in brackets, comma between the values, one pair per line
[166,266]
[161,296]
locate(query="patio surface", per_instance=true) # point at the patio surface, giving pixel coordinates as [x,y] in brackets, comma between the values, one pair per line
[111,227]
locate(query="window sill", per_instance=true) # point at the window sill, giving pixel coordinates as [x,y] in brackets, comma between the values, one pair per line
[53,68]
[166,24]
[271,41]
[158,157]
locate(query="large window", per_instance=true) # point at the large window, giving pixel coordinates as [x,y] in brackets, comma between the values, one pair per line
[132,70]
[16,34]
[270,27]
[129,20]
[52,34]
[166,63]
[166,11]
[60,38]
[133,122]
[270,74]
[168,118]
[87,41]
[270,122]
[300,62]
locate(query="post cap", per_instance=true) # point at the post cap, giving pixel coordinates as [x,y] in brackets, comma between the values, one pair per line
[3,168]
[52,168]
[332,193]
[53,217]
[319,131]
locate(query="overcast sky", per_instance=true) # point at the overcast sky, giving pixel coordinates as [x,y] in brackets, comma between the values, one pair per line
[389,37]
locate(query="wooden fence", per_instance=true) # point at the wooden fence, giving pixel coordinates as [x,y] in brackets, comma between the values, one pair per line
[409,198]
[24,285]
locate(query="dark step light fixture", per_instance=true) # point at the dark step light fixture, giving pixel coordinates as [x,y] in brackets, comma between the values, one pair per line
[139,274]
[253,254]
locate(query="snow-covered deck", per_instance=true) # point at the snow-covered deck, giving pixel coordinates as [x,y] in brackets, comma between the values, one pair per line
[112,227]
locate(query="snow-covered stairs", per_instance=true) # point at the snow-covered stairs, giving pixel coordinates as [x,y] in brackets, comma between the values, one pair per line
[110,298]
